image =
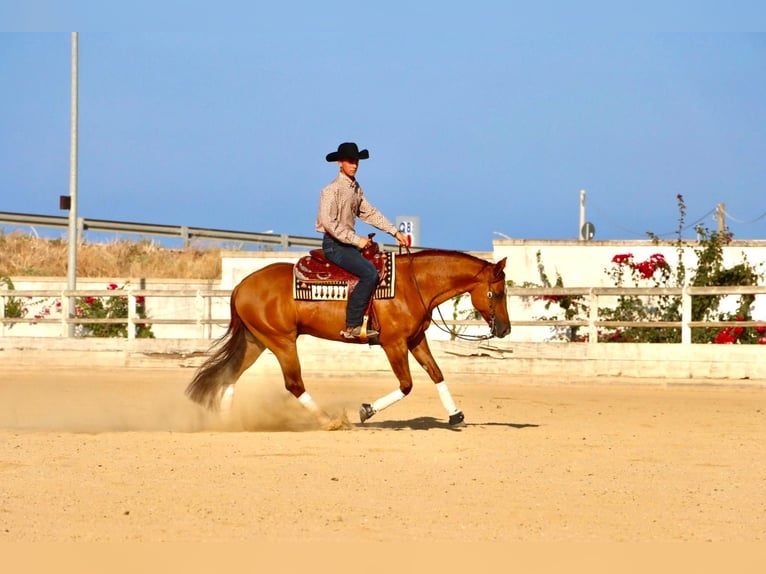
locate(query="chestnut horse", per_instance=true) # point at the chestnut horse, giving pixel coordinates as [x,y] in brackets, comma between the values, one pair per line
[264,315]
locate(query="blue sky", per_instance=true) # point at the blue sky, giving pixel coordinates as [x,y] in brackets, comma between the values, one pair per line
[474,123]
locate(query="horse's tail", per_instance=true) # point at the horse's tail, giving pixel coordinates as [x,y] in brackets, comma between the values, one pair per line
[217,371]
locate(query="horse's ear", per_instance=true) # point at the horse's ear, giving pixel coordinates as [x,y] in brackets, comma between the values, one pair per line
[499,266]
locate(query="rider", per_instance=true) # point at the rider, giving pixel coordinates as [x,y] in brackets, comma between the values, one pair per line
[340,203]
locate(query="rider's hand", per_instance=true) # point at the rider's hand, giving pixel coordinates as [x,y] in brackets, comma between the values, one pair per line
[364,242]
[401,238]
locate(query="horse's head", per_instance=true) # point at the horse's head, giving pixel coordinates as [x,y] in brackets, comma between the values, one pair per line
[488,298]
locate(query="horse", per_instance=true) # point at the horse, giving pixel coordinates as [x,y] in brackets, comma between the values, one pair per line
[265,315]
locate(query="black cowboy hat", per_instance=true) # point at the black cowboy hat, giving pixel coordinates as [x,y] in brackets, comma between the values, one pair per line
[347,150]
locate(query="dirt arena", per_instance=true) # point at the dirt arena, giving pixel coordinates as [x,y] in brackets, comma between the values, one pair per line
[98,454]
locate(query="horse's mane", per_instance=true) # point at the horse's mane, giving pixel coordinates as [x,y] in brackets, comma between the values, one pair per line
[447,253]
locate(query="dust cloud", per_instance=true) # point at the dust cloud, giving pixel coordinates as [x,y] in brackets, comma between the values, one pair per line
[112,400]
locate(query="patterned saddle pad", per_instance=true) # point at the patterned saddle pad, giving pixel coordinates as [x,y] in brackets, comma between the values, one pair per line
[317,279]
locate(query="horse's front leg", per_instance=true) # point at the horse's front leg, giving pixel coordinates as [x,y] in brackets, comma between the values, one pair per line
[422,353]
[397,357]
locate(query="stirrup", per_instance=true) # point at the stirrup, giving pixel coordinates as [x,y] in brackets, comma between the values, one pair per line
[356,333]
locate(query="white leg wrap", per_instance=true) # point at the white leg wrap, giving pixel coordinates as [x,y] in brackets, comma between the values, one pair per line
[306,400]
[446,398]
[227,398]
[388,400]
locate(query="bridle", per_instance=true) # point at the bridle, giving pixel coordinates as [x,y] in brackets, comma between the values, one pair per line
[492,298]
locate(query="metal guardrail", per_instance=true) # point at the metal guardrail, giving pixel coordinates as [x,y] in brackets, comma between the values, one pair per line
[283,241]
[180,231]
[204,318]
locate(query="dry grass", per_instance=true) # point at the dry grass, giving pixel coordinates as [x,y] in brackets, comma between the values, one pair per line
[24,255]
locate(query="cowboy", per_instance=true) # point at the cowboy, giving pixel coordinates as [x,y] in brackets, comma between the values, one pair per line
[340,203]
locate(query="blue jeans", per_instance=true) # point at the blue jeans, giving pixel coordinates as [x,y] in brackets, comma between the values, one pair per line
[350,258]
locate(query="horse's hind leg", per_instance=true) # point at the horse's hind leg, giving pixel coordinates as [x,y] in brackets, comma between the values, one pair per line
[287,355]
[253,350]
[422,353]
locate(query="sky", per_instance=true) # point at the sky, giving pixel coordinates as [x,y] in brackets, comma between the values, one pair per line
[479,125]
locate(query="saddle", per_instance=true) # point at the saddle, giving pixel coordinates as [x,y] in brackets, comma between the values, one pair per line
[317,279]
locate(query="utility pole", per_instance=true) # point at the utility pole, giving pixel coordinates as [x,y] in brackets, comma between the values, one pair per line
[581,229]
[721,217]
[73,239]
[721,213]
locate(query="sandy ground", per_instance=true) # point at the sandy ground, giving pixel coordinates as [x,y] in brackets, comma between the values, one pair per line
[121,455]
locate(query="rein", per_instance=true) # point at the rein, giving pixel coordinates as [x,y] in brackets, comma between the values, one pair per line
[444,327]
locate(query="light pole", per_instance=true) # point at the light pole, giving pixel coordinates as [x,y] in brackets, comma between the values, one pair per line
[73,240]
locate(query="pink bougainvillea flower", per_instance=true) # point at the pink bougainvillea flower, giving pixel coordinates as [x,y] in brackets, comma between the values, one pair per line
[725,337]
[622,258]
[659,260]
[646,268]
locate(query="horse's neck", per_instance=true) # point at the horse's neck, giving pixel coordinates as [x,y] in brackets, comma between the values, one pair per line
[439,281]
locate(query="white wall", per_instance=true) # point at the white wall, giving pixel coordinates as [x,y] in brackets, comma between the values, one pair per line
[584,264]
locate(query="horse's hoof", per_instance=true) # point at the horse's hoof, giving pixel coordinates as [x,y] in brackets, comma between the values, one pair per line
[457,419]
[365,411]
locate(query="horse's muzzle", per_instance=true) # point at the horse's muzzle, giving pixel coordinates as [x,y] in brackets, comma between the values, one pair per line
[500,329]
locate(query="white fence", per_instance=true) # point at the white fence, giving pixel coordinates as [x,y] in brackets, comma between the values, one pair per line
[210,309]
[202,308]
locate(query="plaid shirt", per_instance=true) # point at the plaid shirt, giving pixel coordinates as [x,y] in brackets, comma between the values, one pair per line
[340,203]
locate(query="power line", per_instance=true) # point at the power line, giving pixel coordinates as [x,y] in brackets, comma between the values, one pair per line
[689,226]
[644,234]
[730,216]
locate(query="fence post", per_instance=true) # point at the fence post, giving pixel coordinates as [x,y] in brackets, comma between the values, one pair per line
[199,303]
[592,316]
[2,315]
[686,316]
[66,312]
[208,302]
[131,313]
